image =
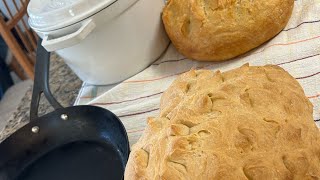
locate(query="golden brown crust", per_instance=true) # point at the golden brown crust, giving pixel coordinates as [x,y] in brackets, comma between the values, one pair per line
[216,30]
[247,123]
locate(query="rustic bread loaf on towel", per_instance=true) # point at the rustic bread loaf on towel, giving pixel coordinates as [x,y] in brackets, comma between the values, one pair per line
[247,123]
[215,30]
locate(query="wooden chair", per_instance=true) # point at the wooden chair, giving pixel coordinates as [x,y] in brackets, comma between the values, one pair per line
[16,25]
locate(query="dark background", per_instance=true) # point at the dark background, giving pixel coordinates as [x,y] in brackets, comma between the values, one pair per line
[5,78]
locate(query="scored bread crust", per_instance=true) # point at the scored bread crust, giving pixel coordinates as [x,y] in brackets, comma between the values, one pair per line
[216,30]
[247,123]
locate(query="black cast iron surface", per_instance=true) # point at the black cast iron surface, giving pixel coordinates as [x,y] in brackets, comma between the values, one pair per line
[91,143]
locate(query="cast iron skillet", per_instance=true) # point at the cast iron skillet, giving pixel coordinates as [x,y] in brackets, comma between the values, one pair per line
[74,143]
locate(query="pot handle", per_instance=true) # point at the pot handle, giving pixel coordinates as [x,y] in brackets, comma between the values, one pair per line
[41,82]
[53,44]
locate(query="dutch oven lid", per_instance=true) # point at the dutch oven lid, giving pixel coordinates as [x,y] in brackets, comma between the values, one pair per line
[55,14]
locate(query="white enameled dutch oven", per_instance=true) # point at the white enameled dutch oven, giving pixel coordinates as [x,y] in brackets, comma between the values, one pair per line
[103,41]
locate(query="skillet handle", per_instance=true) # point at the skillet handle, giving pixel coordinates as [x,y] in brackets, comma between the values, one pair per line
[41,82]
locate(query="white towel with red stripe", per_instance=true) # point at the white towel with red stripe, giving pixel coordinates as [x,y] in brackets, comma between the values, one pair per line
[296,49]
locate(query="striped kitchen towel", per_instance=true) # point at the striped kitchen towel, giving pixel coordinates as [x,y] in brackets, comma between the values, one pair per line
[296,49]
[89,92]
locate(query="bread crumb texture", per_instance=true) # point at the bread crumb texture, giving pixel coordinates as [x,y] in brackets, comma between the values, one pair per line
[216,30]
[247,123]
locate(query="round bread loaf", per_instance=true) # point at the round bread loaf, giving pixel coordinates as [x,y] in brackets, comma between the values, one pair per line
[216,30]
[248,123]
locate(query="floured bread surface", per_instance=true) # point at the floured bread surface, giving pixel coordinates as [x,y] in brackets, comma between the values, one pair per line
[247,123]
[215,30]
